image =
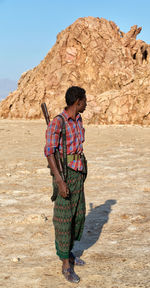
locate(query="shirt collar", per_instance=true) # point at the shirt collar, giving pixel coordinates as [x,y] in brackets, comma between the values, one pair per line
[65,114]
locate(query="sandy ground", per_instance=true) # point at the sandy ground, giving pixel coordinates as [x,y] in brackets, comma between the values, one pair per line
[116,239]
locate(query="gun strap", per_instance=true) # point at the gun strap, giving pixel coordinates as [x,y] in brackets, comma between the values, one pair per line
[64,147]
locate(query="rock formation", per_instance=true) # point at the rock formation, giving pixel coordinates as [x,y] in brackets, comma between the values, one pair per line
[93,53]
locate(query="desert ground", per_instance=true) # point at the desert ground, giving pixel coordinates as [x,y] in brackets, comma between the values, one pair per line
[116,238]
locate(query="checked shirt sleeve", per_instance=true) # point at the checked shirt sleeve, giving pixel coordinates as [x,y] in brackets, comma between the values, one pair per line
[52,136]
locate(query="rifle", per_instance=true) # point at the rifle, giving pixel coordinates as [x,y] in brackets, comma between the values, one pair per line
[57,154]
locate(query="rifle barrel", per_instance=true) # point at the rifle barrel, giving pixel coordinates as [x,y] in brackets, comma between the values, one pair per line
[45,112]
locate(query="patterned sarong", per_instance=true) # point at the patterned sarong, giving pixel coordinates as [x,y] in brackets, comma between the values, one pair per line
[69,215]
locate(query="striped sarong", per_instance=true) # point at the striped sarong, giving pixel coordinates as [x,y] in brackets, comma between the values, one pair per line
[69,214]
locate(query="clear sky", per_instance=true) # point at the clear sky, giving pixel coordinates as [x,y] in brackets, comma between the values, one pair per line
[29,27]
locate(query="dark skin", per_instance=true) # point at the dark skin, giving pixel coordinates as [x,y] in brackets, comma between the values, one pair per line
[78,107]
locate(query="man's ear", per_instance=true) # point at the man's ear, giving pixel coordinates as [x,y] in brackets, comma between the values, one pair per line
[78,102]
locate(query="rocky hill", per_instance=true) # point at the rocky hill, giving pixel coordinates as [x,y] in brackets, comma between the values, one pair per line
[93,53]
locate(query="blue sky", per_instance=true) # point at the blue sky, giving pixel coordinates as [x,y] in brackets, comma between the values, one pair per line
[29,27]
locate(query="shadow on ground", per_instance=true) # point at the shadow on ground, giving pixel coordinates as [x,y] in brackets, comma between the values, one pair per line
[94,223]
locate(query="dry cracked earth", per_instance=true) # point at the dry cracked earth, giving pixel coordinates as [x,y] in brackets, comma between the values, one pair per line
[116,238]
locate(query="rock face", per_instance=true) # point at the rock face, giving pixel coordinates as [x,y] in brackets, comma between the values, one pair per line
[113,67]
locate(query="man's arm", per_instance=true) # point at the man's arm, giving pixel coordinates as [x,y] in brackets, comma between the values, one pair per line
[62,186]
[52,142]
[63,190]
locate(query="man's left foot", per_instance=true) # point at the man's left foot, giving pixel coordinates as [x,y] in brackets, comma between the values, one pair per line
[70,275]
[76,260]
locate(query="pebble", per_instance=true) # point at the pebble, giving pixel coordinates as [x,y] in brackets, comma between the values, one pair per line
[44,217]
[16,259]
[131,228]
[8,174]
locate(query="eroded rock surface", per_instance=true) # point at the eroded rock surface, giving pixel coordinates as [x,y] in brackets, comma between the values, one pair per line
[93,53]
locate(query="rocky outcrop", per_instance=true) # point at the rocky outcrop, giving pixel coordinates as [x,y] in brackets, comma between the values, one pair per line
[93,53]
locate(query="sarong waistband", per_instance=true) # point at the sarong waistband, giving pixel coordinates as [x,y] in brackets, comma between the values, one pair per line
[71,157]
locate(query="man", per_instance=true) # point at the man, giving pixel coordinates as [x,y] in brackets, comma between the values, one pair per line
[69,207]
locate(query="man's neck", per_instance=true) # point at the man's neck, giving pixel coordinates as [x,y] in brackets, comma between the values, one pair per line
[71,111]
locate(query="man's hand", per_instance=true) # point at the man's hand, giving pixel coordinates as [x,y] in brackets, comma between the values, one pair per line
[63,190]
[62,186]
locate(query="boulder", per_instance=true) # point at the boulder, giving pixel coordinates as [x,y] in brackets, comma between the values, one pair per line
[112,66]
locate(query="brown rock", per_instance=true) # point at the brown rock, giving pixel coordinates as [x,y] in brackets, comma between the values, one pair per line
[93,53]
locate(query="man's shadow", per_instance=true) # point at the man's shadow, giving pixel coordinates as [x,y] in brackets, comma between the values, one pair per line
[94,223]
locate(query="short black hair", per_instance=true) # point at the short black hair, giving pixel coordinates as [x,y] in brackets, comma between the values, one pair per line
[73,93]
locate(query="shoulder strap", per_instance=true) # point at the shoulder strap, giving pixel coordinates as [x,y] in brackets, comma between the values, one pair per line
[64,146]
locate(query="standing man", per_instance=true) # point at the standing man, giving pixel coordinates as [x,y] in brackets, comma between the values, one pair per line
[69,207]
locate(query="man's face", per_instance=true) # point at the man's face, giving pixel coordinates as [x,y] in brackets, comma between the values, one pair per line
[82,105]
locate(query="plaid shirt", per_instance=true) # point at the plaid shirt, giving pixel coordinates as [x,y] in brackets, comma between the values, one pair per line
[74,138]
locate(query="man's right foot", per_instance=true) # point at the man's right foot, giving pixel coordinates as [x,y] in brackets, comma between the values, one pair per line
[76,260]
[70,275]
